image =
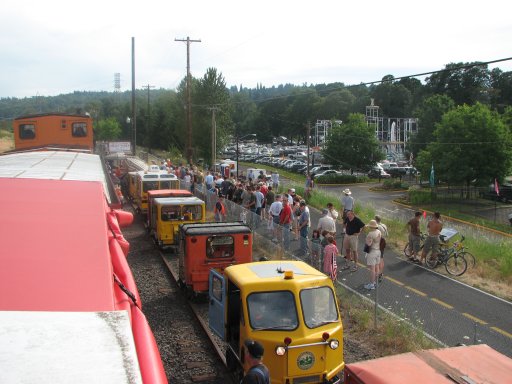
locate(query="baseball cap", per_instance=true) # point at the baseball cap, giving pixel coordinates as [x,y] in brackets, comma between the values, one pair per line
[255,348]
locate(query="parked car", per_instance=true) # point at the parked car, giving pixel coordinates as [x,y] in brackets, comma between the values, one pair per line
[328,172]
[377,172]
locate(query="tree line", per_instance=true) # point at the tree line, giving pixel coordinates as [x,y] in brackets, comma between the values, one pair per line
[464,114]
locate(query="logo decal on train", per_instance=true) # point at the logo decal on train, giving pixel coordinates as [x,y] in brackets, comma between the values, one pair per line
[305,360]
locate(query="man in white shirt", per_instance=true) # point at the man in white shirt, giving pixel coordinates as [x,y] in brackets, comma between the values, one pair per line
[326,223]
[275,210]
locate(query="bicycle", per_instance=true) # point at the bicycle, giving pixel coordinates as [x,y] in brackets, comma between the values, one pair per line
[407,251]
[454,262]
[461,249]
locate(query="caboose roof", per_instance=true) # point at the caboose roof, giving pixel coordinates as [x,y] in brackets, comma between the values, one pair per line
[54,253]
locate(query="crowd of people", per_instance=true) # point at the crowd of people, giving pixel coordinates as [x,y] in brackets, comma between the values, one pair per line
[288,219]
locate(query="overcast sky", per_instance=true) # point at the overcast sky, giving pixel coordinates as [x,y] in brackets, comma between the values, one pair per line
[52,47]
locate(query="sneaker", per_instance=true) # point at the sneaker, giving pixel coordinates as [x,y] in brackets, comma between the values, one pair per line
[369,286]
[353,269]
[345,267]
[380,278]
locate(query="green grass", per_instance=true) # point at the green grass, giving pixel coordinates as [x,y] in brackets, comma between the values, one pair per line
[6,134]
[390,336]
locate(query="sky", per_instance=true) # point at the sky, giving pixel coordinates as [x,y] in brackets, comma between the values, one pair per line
[55,47]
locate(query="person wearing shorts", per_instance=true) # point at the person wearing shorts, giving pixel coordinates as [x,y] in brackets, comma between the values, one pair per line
[434,228]
[353,226]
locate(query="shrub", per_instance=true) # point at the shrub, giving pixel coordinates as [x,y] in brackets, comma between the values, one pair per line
[341,179]
[419,196]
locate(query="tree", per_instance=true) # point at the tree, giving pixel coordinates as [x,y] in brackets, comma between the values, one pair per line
[472,144]
[337,105]
[429,113]
[210,92]
[107,129]
[394,99]
[464,83]
[352,144]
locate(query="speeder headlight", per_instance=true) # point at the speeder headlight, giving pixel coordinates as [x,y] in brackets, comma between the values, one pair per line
[280,351]
[334,344]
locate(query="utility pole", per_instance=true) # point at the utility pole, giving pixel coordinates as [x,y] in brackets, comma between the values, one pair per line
[307,140]
[134,113]
[214,136]
[148,121]
[189,103]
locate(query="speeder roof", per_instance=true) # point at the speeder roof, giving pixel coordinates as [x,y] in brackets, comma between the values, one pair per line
[54,246]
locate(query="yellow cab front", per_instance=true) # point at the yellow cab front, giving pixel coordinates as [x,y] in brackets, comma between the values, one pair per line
[170,212]
[290,308]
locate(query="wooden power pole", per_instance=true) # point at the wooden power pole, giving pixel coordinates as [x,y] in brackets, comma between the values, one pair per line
[189,103]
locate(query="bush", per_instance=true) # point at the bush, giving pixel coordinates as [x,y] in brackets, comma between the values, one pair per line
[418,195]
[341,179]
[394,184]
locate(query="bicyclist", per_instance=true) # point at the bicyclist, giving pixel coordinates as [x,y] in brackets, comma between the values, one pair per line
[434,228]
[414,237]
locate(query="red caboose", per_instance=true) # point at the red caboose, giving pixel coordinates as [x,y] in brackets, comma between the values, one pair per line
[204,246]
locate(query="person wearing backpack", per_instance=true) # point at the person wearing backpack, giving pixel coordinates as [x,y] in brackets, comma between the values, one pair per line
[384,233]
[257,372]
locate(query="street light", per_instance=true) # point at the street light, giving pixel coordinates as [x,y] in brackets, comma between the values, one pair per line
[237,151]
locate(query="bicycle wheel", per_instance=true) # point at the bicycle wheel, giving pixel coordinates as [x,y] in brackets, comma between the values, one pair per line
[432,262]
[456,265]
[470,259]
[407,251]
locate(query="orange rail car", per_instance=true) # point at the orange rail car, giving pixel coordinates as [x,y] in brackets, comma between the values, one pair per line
[204,246]
[58,130]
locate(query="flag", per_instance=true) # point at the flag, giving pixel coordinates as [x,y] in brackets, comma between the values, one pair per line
[432,176]
[496,188]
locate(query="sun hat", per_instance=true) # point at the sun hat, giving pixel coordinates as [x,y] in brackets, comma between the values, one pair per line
[325,211]
[372,224]
[346,191]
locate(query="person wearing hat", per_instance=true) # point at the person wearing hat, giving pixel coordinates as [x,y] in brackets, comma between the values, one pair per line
[373,255]
[256,371]
[326,223]
[347,201]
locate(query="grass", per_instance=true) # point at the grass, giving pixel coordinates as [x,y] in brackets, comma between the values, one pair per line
[391,336]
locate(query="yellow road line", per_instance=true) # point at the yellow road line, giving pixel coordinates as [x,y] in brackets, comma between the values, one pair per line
[415,291]
[474,318]
[502,332]
[393,280]
[446,305]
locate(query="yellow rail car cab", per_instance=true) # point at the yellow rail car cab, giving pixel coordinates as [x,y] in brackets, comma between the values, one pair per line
[169,212]
[290,308]
[53,130]
[131,181]
[147,181]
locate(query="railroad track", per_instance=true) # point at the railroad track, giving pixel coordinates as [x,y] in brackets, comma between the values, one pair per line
[180,327]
